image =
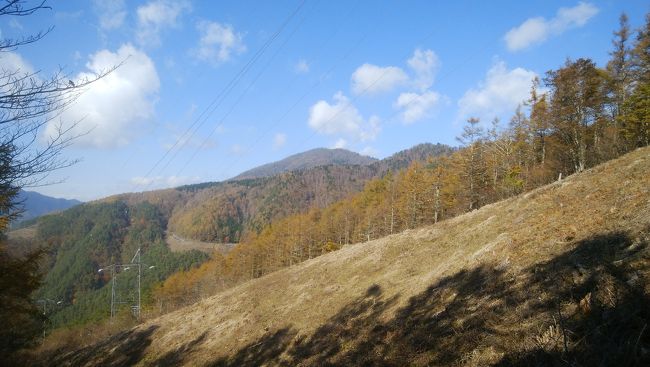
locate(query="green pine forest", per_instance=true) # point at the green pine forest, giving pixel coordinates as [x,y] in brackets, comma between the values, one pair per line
[84,239]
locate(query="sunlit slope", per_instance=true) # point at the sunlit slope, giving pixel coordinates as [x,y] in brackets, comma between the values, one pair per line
[557,274]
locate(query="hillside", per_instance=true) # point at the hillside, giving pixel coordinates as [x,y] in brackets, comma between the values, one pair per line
[35,204]
[305,160]
[83,239]
[556,276]
[421,152]
[222,212]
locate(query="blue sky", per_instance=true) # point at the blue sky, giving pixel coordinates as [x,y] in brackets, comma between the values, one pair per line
[207,89]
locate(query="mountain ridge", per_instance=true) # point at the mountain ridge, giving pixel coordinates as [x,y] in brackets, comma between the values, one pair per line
[252,203]
[35,204]
[305,160]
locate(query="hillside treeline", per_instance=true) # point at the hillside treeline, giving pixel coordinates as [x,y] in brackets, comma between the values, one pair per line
[226,211]
[76,243]
[576,116]
[89,237]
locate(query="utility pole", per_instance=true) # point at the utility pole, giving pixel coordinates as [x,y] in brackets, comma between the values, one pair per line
[135,261]
[44,301]
[112,291]
[137,308]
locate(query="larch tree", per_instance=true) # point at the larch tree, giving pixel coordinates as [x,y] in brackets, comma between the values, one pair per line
[473,165]
[577,108]
[539,121]
[636,114]
[619,69]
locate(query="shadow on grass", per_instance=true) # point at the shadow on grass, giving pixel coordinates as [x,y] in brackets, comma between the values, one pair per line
[123,349]
[176,357]
[585,307]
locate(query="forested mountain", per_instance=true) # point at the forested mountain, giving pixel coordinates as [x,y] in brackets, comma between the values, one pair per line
[418,153]
[35,204]
[309,159]
[224,211]
[80,241]
[539,221]
[555,276]
[576,123]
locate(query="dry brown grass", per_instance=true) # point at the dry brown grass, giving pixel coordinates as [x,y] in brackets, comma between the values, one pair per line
[556,276]
[27,233]
[178,244]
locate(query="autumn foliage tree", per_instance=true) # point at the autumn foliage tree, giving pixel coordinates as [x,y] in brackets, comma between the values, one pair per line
[635,115]
[579,115]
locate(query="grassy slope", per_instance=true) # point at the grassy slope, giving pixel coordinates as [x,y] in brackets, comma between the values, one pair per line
[179,244]
[504,285]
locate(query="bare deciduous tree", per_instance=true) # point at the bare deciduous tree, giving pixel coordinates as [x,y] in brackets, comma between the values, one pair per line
[29,101]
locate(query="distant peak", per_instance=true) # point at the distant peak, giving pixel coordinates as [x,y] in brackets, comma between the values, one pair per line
[309,159]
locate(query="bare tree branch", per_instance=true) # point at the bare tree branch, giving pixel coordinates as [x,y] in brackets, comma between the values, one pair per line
[30,102]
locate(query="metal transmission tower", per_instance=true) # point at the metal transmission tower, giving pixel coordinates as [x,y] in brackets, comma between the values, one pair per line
[115,269]
[45,301]
[136,310]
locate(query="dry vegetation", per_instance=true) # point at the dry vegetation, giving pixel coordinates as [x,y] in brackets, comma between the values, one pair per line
[20,241]
[179,244]
[556,276]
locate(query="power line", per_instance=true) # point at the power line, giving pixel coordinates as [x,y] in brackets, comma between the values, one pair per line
[363,92]
[295,104]
[241,96]
[408,103]
[350,103]
[305,94]
[216,102]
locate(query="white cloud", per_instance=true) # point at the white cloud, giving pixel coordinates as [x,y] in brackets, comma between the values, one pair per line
[164,181]
[537,30]
[115,109]
[500,92]
[369,151]
[218,43]
[13,63]
[340,144]
[374,79]
[342,118]
[301,67]
[577,16]
[416,106]
[425,64]
[237,149]
[157,15]
[279,140]
[112,13]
